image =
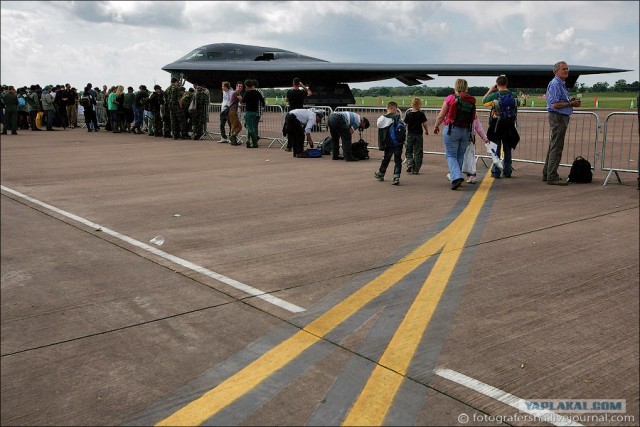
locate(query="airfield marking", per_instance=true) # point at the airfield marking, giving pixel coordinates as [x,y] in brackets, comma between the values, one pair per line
[177,260]
[371,406]
[504,397]
[251,376]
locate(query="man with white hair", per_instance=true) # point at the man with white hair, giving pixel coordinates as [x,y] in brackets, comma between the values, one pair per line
[560,109]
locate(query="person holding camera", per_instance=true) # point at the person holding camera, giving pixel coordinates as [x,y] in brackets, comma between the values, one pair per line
[502,123]
[560,108]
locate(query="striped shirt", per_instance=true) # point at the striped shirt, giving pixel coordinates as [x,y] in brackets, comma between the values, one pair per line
[352,119]
[557,92]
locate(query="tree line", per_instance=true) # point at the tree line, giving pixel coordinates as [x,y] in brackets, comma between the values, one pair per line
[423,90]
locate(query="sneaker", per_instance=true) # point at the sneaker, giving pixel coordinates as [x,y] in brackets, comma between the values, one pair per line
[448,177]
[557,182]
[495,175]
[471,180]
[396,180]
[223,140]
[379,176]
[410,169]
[456,183]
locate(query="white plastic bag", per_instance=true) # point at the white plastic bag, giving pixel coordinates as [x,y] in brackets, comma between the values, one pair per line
[469,164]
[492,150]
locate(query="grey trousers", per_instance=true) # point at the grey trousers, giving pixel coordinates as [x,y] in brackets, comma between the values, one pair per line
[558,123]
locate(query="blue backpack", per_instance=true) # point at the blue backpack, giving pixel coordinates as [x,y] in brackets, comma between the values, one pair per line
[505,105]
[397,132]
[21,102]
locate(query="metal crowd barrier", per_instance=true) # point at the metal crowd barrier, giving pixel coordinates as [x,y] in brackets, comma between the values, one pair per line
[618,151]
[620,144]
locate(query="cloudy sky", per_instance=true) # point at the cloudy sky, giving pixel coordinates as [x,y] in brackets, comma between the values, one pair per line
[128,42]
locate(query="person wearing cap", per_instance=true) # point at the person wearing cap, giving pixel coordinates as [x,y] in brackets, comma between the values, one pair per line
[199,116]
[342,124]
[173,107]
[300,123]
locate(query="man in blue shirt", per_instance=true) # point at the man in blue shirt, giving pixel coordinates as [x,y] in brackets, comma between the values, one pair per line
[560,108]
[342,124]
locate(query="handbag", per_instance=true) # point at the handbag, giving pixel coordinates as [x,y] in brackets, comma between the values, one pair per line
[39,117]
[492,148]
[469,163]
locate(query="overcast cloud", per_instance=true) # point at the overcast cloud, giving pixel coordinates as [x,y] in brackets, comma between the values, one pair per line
[128,42]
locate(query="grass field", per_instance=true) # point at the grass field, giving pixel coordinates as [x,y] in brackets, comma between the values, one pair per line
[621,101]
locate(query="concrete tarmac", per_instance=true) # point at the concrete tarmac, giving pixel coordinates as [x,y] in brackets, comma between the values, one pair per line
[305,292]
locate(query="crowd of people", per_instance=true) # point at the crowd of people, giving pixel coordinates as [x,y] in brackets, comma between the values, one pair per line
[175,111]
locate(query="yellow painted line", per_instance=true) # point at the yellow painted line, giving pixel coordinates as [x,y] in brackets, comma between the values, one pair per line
[377,396]
[251,376]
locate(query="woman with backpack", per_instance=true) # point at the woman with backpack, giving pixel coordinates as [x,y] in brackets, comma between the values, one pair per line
[458,112]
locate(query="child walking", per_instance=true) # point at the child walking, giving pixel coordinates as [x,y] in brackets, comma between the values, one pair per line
[416,121]
[384,122]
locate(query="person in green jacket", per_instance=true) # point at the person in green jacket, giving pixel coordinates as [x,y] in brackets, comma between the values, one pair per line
[10,100]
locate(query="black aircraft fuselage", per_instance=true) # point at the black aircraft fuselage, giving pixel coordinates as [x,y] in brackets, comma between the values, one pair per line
[212,64]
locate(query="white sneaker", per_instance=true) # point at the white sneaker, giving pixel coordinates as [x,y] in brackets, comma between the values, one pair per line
[449,176]
[472,179]
[224,140]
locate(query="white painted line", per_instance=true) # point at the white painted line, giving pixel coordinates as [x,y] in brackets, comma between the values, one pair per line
[184,263]
[506,398]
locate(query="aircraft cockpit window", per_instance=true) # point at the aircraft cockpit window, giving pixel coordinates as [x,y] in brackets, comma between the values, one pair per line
[195,54]
[267,56]
[214,55]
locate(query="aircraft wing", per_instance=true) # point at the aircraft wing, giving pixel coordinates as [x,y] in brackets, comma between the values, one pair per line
[212,64]
[280,74]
